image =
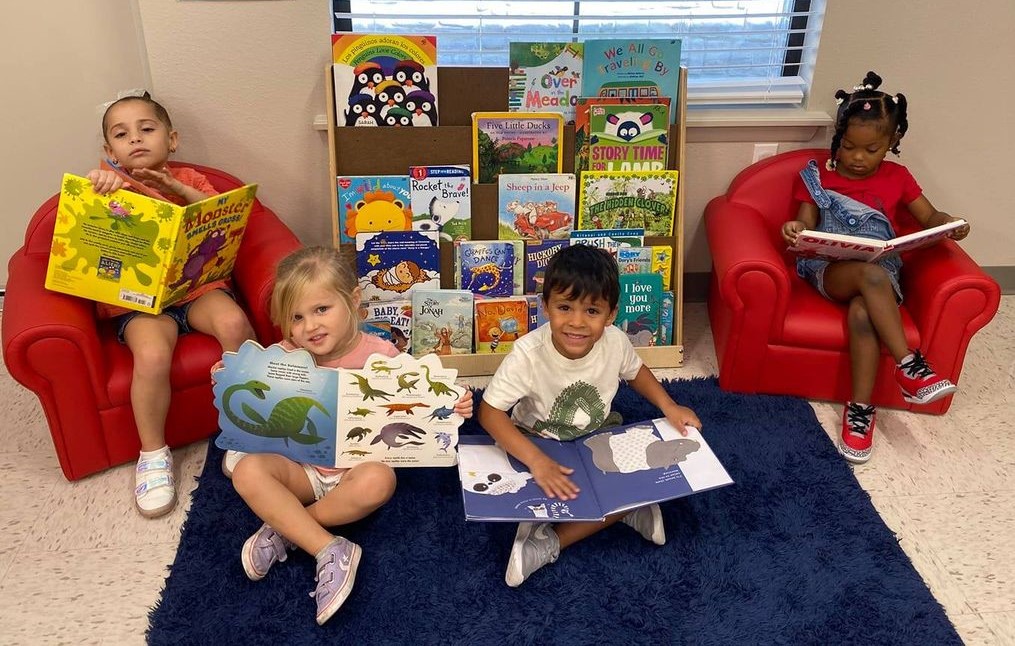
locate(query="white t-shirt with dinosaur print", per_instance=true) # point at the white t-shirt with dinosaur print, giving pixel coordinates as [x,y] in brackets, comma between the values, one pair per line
[557,397]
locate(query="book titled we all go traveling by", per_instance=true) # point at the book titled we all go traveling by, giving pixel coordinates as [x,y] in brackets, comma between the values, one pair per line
[616,470]
[838,246]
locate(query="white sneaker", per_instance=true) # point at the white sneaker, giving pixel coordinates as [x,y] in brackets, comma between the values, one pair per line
[230,460]
[647,521]
[536,545]
[154,486]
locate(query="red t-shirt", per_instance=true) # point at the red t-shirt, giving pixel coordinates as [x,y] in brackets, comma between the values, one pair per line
[889,187]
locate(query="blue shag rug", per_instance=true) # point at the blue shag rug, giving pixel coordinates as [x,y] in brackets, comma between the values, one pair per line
[793,553]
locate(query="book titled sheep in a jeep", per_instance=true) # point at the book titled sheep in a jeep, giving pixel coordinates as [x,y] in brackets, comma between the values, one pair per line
[397,410]
[616,470]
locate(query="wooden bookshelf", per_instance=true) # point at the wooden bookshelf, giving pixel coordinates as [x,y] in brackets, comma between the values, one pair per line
[462,91]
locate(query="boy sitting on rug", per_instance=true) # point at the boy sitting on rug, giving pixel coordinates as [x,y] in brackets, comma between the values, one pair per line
[561,380]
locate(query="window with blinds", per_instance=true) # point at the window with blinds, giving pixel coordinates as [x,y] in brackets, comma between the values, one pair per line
[738,53]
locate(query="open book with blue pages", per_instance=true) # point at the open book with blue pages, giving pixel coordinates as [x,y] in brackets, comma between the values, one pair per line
[617,469]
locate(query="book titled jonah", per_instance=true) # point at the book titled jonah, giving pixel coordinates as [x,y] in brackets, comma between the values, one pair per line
[616,470]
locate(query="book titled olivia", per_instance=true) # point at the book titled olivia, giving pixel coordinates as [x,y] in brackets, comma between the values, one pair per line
[837,246]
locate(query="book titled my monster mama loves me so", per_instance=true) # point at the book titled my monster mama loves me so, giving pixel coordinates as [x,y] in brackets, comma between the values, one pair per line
[141,253]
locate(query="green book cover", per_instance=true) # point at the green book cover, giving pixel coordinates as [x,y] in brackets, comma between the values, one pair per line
[638,312]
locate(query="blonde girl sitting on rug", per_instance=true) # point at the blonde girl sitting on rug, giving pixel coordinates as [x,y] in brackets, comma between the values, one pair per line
[316,303]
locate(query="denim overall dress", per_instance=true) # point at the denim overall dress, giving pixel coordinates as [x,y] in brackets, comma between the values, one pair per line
[841,214]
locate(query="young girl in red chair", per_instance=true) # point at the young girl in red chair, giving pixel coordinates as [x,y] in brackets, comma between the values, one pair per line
[139,138]
[858,193]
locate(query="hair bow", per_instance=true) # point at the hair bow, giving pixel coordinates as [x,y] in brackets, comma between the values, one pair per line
[136,92]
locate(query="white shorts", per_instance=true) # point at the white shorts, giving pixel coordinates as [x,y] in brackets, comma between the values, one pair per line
[322,483]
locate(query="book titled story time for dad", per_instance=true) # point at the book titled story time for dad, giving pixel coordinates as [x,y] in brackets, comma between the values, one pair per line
[616,469]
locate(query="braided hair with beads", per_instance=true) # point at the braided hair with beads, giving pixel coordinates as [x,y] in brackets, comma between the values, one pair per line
[868,104]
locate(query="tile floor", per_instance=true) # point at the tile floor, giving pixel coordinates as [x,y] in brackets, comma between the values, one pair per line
[79,565]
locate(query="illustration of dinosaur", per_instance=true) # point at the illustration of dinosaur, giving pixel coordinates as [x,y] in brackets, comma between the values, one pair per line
[382,366]
[358,433]
[403,408]
[394,434]
[286,420]
[443,412]
[361,412]
[368,391]
[356,453]
[404,383]
[437,387]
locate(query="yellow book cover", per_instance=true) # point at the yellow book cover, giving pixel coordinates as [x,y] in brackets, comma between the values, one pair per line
[662,263]
[138,252]
[516,142]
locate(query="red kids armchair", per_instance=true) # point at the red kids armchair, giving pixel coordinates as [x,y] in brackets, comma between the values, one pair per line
[774,333]
[55,346]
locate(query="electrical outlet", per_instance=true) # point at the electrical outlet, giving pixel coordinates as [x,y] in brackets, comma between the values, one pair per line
[761,151]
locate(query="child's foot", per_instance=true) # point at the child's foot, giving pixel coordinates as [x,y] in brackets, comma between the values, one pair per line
[336,572]
[536,544]
[263,549]
[920,385]
[857,441]
[154,487]
[230,460]
[647,521]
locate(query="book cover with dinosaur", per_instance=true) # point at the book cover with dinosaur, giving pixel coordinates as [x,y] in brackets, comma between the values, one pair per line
[138,252]
[397,410]
[618,469]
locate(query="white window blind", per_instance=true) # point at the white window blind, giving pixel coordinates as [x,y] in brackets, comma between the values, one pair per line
[746,52]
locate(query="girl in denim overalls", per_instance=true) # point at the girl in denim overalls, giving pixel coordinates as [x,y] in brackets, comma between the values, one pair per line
[858,193]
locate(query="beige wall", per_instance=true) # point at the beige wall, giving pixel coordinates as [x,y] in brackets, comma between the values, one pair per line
[244,82]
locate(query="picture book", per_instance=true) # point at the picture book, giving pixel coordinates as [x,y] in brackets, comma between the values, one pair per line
[666,309]
[442,321]
[628,138]
[397,314]
[632,67]
[397,410]
[515,142]
[644,260]
[377,328]
[582,125]
[662,263]
[628,199]
[499,322]
[535,207]
[371,203]
[490,267]
[137,252]
[638,312]
[837,246]
[391,265]
[537,311]
[537,256]
[616,470]
[545,77]
[610,239]
[385,79]
[442,200]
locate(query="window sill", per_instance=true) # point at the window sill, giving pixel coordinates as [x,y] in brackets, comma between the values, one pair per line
[729,125]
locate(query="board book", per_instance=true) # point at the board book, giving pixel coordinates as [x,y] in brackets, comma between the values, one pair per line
[516,142]
[639,309]
[545,77]
[397,315]
[617,470]
[441,200]
[391,265]
[535,207]
[134,251]
[537,256]
[837,246]
[385,80]
[371,203]
[397,410]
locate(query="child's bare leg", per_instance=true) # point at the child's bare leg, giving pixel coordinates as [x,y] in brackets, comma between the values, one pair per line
[844,280]
[151,340]
[571,533]
[215,313]
[864,350]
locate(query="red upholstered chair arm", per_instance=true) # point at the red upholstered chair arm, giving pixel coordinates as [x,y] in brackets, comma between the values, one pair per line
[266,241]
[751,273]
[46,334]
[948,295]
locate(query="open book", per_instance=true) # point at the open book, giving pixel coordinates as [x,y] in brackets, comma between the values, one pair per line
[617,469]
[398,410]
[140,252]
[837,246]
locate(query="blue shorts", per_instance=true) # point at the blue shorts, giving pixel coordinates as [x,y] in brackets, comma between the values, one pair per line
[176,312]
